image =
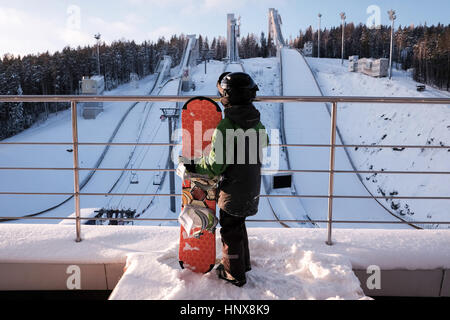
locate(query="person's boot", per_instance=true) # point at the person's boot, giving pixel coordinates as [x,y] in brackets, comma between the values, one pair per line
[223,274]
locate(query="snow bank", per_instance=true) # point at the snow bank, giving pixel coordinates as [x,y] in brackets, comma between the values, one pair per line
[287,273]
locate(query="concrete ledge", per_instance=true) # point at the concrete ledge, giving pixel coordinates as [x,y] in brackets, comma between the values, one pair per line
[408,283]
[445,289]
[55,276]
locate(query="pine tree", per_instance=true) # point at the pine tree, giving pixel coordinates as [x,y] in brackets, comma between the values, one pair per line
[264,48]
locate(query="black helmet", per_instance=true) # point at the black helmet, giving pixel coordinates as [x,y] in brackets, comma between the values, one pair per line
[235,82]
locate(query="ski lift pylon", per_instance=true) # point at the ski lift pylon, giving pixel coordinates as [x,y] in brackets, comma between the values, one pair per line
[157,178]
[134,178]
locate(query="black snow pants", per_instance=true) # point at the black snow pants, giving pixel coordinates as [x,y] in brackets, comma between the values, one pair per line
[235,252]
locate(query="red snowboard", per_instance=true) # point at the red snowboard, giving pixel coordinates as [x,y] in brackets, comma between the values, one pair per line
[199,115]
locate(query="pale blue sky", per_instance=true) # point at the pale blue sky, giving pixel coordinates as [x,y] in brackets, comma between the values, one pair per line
[31,26]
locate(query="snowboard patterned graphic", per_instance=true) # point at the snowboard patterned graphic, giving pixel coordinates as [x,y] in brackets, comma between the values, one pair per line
[199,117]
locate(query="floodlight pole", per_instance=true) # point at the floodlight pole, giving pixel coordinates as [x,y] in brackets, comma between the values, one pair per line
[170,113]
[97,37]
[392,17]
[318,38]
[342,14]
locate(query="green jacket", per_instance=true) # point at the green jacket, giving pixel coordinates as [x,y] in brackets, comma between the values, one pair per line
[215,163]
[236,156]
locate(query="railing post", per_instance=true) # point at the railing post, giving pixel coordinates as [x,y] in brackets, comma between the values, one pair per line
[76,186]
[331,174]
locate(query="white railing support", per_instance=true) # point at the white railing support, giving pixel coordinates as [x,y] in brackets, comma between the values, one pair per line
[76,176]
[331,173]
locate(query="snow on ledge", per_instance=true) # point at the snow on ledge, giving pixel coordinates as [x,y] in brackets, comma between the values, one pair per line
[388,249]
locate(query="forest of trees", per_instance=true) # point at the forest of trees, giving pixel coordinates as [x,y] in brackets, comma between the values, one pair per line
[251,46]
[60,73]
[425,49]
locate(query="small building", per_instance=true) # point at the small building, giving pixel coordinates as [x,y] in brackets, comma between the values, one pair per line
[95,86]
[374,67]
[369,66]
[186,82]
[134,80]
[353,63]
[308,49]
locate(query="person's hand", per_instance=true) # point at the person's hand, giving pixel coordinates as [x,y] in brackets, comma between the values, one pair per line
[181,170]
[185,167]
[190,167]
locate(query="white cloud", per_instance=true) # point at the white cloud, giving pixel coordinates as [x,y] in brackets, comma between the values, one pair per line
[129,28]
[192,6]
[22,33]
[10,17]
[163,31]
[159,3]
[74,38]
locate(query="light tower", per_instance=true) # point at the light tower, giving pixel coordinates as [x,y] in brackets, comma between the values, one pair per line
[318,37]
[342,14]
[392,17]
[171,114]
[97,37]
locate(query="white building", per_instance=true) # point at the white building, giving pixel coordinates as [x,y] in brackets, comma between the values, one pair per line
[94,85]
[374,67]
[308,49]
[369,66]
[353,63]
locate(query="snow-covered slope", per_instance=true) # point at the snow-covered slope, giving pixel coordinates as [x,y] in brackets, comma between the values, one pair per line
[58,129]
[266,73]
[309,123]
[393,124]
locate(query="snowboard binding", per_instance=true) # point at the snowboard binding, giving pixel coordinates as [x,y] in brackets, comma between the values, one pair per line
[196,216]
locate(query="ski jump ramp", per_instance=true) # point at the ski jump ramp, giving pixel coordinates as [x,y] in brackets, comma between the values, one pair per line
[309,123]
[275,27]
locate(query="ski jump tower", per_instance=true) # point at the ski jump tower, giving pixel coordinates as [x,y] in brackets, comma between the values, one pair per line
[275,28]
[233,33]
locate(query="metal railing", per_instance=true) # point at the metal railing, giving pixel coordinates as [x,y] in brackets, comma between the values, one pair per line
[73,100]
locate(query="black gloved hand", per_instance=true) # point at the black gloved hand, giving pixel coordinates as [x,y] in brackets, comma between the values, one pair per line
[190,167]
[189,164]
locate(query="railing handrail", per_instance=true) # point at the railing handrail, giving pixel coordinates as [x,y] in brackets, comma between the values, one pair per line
[247,220]
[262,170]
[74,99]
[165,144]
[310,196]
[175,98]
